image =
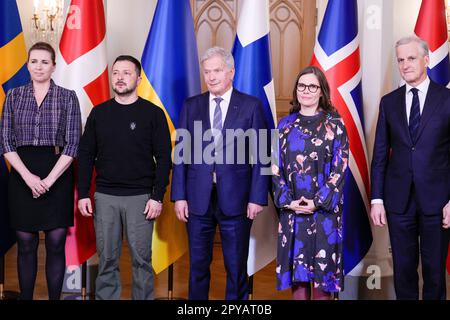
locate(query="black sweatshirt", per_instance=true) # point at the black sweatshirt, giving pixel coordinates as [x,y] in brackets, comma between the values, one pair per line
[130,148]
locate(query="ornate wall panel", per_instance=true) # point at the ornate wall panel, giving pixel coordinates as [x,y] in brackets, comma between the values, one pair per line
[292,32]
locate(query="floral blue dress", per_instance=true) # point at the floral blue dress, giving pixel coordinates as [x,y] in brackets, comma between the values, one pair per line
[312,162]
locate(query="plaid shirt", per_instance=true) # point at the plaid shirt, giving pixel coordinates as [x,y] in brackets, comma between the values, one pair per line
[57,122]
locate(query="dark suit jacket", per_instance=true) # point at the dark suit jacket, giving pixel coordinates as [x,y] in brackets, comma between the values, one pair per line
[238,183]
[398,163]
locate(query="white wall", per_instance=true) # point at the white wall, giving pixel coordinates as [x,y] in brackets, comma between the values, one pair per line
[127,26]
[26,13]
[376,38]
[406,13]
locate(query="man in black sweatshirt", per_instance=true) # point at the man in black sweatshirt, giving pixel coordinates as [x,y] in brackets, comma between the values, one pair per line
[127,140]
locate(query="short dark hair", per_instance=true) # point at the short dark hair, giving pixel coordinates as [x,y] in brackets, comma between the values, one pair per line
[324,101]
[132,59]
[43,46]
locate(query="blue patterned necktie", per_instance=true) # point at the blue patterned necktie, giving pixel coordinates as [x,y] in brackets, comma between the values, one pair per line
[217,122]
[414,116]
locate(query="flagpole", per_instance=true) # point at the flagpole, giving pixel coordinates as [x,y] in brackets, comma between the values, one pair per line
[83,295]
[170,283]
[170,286]
[83,281]
[5,295]
[250,288]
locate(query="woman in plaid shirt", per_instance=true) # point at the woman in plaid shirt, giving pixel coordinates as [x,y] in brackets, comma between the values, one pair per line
[40,130]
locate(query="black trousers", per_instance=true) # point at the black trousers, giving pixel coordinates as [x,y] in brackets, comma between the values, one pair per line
[414,233]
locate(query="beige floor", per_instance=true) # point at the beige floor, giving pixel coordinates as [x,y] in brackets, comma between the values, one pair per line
[264,280]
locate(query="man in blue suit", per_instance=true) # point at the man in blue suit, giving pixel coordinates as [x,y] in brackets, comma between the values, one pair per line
[411,174]
[217,176]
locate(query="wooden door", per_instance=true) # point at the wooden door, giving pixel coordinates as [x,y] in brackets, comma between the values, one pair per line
[292,35]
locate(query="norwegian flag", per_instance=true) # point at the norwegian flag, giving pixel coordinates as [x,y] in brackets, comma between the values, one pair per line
[82,66]
[337,53]
[431,26]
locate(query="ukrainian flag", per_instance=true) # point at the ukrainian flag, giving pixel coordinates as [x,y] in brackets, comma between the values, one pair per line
[13,73]
[170,74]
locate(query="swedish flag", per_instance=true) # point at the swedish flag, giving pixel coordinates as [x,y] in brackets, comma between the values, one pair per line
[170,74]
[13,73]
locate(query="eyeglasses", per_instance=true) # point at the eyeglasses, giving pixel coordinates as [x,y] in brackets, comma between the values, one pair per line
[311,87]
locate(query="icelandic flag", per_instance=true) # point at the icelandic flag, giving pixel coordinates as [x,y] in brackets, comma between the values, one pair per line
[337,53]
[431,26]
[253,76]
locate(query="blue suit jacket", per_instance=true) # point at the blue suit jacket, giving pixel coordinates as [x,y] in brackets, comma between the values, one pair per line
[397,162]
[238,183]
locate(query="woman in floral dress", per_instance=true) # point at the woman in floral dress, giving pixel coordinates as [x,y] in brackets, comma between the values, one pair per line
[308,186]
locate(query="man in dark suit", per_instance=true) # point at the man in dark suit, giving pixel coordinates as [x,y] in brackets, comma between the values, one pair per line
[411,174]
[215,182]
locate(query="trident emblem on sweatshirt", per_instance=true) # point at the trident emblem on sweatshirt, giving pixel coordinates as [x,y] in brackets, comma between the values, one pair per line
[133,125]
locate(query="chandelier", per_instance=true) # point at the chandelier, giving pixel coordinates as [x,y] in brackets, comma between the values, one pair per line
[47,21]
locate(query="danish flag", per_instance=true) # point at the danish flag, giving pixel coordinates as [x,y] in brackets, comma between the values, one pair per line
[82,66]
[337,53]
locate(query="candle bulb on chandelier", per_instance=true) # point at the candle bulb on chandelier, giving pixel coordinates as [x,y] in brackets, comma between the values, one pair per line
[36,6]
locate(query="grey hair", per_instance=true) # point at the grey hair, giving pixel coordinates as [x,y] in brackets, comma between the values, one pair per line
[226,56]
[407,40]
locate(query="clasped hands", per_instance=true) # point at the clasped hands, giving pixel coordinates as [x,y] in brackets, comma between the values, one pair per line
[37,185]
[302,206]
